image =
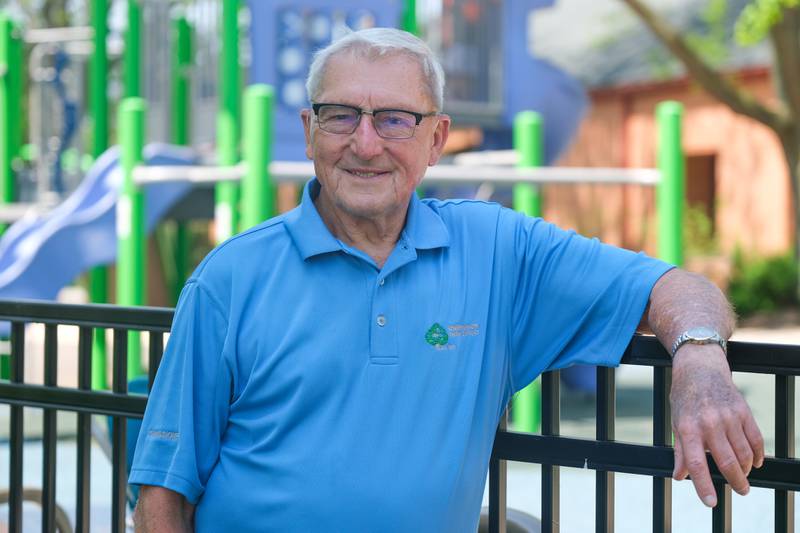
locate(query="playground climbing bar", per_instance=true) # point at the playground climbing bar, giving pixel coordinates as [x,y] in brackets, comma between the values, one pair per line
[529,145]
[226,209]
[98,105]
[131,251]
[528,137]
[133,50]
[181,81]
[10,103]
[98,94]
[670,190]
[299,172]
[258,191]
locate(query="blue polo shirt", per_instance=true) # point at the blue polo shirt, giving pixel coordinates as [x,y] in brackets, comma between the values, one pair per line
[304,389]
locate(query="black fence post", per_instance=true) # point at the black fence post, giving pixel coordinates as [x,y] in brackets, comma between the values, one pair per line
[497,488]
[82,490]
[662,436]
[551,486]
[49,431]
[17,365]
[784,447]
[605,425]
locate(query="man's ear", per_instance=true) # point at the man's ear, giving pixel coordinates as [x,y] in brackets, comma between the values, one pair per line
[305,116]
[440,135]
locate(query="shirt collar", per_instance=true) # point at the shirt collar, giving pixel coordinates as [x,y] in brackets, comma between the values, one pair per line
[424,227]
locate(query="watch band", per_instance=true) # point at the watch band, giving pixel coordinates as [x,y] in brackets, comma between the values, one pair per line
[700,335]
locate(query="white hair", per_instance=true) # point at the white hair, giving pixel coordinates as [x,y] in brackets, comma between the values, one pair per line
[380,42]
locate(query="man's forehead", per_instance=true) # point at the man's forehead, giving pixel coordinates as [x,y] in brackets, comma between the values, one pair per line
[353,75]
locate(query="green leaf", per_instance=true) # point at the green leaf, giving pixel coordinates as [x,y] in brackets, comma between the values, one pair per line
[758,18]
[436,335]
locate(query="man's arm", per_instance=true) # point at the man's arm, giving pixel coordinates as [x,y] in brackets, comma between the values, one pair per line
[708,412]
[162,510]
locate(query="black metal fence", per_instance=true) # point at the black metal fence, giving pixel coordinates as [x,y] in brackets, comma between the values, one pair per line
[116,403]
[605,456]
[780,473]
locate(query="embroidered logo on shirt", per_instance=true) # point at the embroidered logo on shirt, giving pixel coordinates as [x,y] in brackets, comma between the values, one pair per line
[436,335]
[165,435]
[439,337]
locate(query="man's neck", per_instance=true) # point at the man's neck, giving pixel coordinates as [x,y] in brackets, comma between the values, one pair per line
[376,237]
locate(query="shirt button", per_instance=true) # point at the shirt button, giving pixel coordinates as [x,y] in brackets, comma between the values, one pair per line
[381,320]
[381,281]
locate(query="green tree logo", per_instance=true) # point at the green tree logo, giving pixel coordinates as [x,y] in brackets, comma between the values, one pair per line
[436,335]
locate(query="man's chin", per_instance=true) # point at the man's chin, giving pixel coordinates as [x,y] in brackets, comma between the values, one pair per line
[368,209]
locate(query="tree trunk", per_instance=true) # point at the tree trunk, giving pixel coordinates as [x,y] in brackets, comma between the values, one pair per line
[791,149]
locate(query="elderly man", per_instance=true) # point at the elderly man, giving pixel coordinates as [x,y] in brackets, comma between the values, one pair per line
[343,367]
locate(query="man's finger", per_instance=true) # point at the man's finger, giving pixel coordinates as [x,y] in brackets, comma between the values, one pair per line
[755,439]
[694,457]
[728,464]
[741,447]
[679,472]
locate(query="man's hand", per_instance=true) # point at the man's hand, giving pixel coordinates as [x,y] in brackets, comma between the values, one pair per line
[709,413]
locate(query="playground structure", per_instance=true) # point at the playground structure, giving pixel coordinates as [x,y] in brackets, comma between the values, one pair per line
[132,202]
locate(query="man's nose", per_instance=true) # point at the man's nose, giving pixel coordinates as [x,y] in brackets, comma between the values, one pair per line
[365,141]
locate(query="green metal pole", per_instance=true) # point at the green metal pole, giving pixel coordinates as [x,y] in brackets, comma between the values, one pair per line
[258,192]
[98,104]
[181,128]
[17,71]
[226,211]
[409,17]
[99,78]
[130,209]
[670,191]
[131,236]
[182,61]
[132,57]
[7,132]
[529,144]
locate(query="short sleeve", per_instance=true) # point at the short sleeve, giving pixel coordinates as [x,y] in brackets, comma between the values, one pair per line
[576,300]
[188,407]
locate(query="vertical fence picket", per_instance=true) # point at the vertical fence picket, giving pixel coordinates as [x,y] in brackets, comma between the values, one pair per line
[551,416]
[154,356]
[83,488]
[784,447]
[605,426]
[662,436]
[497,489]
[721,513]
[16,429]
[49,431]
[118,434]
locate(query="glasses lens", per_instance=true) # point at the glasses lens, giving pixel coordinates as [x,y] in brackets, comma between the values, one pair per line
[395,124]
[337,118]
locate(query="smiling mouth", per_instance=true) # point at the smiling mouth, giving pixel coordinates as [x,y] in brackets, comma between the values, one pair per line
[366,173]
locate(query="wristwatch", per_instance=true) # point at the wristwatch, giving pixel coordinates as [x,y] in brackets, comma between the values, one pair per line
[701,335]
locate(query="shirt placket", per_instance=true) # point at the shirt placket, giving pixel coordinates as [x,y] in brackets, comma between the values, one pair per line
[384,317]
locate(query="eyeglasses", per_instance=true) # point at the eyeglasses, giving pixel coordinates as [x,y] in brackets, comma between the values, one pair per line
[389,123]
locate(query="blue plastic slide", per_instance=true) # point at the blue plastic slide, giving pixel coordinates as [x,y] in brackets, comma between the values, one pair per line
[41,254]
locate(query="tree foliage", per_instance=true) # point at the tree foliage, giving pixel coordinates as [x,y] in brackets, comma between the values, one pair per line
[778,20]
[759,17]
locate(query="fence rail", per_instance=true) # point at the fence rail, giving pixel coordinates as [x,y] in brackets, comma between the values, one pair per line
[603,454]
[780,473]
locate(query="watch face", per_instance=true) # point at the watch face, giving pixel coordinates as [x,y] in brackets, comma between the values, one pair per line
[701,333]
